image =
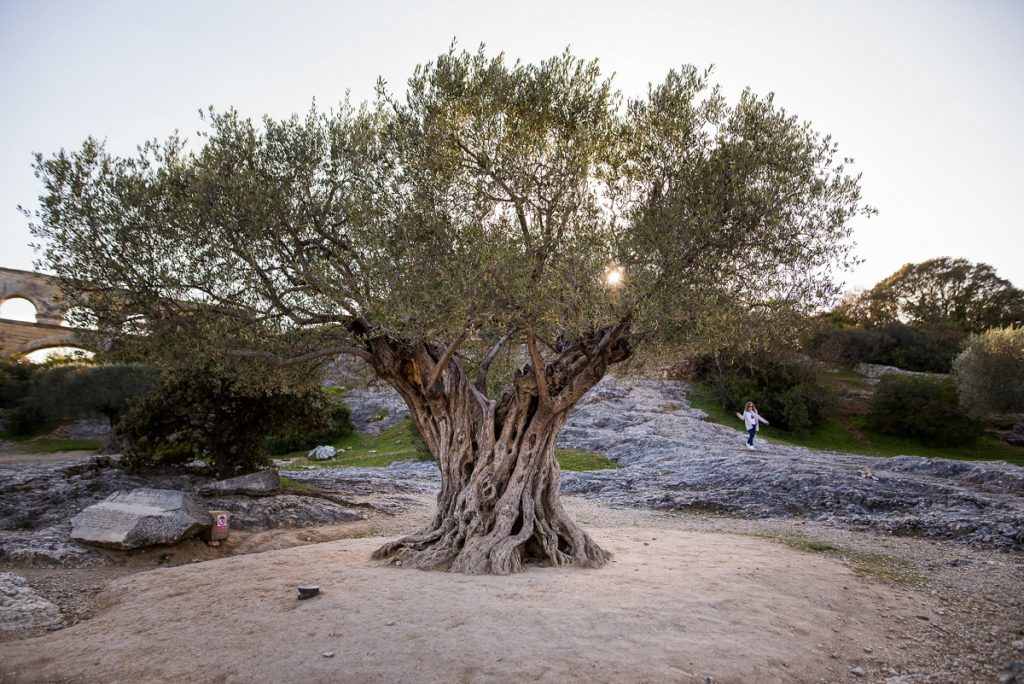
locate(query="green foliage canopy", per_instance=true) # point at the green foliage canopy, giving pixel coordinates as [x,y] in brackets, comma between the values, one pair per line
[990,372]
[208,412]
[485,205]
[943,290]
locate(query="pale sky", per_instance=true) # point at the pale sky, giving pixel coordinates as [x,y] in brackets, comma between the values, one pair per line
[927,97]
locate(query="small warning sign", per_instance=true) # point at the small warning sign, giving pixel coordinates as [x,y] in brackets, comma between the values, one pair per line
[220,526]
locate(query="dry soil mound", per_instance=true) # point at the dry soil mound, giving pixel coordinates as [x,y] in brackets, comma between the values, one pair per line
[673,606]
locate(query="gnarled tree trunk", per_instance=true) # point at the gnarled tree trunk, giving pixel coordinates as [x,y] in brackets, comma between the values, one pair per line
[499,503]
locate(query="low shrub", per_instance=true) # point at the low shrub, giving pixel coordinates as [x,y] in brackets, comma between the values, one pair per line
[15,382]
[787,394]
[990,372]
[205,412]
[928,348]
[27,419]
[922,408]
[77,390]
[338,418]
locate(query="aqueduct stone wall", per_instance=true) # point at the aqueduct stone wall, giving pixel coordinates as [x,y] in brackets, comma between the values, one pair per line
[20,337]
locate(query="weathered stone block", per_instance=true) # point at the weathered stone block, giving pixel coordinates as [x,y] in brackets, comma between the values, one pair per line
[141,517]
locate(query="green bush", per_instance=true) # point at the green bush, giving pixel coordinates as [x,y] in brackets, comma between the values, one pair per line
[27,419]
[15,382]
[928,348]
[41,395]
[206,412]
[923,408]
[338,417]
[78,390]
[787,394]
[990,372]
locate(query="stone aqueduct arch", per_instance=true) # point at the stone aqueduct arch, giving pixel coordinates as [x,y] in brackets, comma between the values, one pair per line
[43,291]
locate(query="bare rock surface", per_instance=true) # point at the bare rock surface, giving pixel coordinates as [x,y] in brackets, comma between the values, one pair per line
[49,547]
[38,500]
[374,409]
[403,477]
[260,483]
[23,612]
[286,510]
[672,459]
[40,495]
[140,517]
[84,428]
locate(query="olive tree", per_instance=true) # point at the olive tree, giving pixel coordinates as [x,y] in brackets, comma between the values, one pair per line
[494,216]
[990,372]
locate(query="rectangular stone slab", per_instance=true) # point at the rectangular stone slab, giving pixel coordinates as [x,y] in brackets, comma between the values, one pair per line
[141,517]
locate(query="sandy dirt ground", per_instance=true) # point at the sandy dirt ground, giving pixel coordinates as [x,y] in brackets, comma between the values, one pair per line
[687,599]
[674,606]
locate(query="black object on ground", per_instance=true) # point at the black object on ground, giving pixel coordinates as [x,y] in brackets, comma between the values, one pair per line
[308,591]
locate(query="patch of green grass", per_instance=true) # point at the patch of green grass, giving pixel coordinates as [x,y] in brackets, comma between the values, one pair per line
[795,541]
[701,397]
[572,459]
[701,510]
[888,569]
[834,436]
[851,435]
[52,445]
[40,429]
[400,443]
[396,443]
[290,486]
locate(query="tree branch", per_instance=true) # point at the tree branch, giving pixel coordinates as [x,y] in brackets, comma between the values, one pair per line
[485,364]
[435,373]
[279,360]
[538,369]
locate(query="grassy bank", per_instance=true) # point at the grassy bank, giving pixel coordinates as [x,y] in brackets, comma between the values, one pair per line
[49,445]
[398,443]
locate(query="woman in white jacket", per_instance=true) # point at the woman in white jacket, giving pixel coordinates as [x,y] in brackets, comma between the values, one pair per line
[752,420]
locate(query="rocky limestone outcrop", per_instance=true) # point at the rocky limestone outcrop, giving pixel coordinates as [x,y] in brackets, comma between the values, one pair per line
[261,483]
[49,547]
[374,409]
[285,510]
[23,612]
[672,459]
[37,502]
